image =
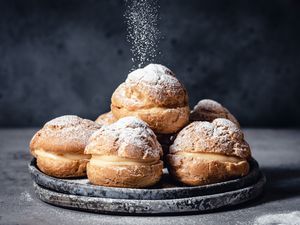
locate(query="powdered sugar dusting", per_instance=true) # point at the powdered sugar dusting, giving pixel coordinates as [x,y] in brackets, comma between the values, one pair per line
[131,131]
[70,128]
[208,110]
[152,86]
[154,75]
[66,120]
[292,218]
[25,197]
[143,33]
[220,136]
[226,125]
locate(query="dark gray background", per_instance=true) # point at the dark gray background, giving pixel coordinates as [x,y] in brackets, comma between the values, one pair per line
[67,57]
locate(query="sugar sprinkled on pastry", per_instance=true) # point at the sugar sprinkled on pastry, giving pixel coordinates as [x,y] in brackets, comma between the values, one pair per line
[208,110]
[209,152]
[124,154]
[154,95]
[59,146]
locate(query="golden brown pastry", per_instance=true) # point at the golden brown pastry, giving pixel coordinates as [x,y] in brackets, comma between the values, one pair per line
[59,146]
[106,118]
[205,153]
[154,95]
[208,110]
[124,154]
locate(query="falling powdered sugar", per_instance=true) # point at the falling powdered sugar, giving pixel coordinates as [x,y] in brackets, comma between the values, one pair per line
[143,33]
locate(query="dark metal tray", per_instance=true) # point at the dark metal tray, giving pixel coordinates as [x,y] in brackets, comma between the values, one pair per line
[166,189]
[194,204]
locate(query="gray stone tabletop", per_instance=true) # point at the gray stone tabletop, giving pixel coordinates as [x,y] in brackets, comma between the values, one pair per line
[277,151]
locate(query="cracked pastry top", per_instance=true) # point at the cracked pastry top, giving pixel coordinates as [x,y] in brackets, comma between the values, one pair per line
[208,110]
[124,154]
[155,95]
[209,152]
[59,146]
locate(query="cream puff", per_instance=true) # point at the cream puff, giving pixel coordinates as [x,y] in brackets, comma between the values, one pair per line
[106,118]
[59,146]
[205,153]
[208,110]
[124,154]
[154,95]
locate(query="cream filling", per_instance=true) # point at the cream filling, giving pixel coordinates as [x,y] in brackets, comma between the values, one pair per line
[152,110]
[64,156]
[101,160]
[211,156]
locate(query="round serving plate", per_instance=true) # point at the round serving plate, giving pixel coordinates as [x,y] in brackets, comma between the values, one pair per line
[194,204]
[166,189]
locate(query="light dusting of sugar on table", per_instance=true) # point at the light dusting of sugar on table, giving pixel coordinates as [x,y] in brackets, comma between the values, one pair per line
[142,27]
[292,218]
[25,197]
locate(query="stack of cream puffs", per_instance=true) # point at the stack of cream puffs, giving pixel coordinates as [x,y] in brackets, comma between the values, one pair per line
[150,123]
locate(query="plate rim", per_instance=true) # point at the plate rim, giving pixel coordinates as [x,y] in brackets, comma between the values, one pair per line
[42,179]
[141,207]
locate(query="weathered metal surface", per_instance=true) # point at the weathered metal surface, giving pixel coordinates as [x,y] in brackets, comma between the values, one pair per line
[166,189]
[166,206]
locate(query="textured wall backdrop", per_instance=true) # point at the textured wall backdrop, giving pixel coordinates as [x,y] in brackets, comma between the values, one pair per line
[67,57]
